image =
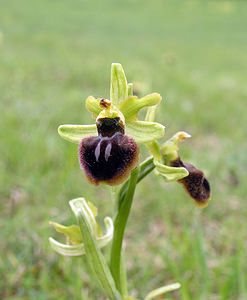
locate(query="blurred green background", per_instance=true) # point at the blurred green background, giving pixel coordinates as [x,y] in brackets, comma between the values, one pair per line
[53,54]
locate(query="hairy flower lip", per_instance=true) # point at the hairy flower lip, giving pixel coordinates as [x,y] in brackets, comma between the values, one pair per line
[195,183]
[108,159]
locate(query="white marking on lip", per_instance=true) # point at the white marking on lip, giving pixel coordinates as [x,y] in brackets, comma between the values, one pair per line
[97,151]
[108,151]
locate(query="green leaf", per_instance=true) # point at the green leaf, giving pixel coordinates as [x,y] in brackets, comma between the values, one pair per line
[144,132]
[119,85]
[75,133]
[131,106]
[94,256]
[162,290]
[170,173]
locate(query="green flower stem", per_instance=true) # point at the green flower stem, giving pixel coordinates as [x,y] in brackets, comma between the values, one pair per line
[119,228]
[123,276]
[145,167]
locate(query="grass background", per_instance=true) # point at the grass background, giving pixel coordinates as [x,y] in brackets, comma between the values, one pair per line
[53,54]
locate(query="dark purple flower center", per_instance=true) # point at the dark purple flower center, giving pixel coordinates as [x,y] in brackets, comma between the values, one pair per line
[109,126]
[110,156]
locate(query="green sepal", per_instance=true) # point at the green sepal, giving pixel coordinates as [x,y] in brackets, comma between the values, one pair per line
[75,133]
[79,249]
[144,132]
[170,148]
[94,256]
[131,106]
[119,85]
[93,105]
[72,232]
[150,115]
[170,173]
[154,149]
[162,290]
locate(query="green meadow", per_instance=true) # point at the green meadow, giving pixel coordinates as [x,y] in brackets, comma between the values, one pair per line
[53,54]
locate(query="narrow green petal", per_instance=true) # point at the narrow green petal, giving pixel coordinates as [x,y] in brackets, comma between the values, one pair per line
[170,173]
[131,106]
[150,115]
[154,149]
[130,89]
[67,250]
[93,105]
[144,132]
[162,290]
[74,133]
[171,147]
[93,208]
[119,85]
[107,237]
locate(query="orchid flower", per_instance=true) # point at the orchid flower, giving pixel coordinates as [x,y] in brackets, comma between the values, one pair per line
[109,148]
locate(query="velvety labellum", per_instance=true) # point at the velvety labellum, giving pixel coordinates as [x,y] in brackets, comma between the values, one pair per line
[195,183]
[110,156]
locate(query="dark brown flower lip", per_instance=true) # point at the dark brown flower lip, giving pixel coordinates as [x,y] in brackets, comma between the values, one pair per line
[196,185]
[108,159]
